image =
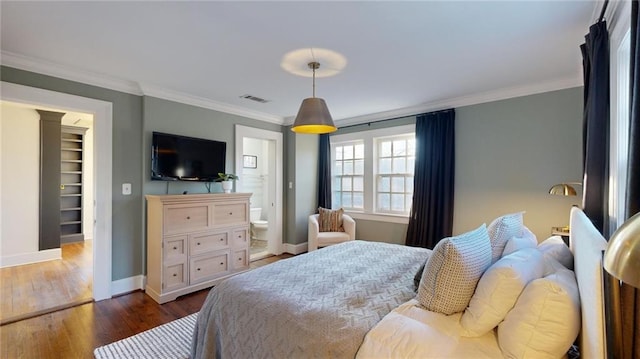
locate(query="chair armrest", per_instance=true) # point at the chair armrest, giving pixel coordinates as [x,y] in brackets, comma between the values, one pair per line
[349,226]
[312,233]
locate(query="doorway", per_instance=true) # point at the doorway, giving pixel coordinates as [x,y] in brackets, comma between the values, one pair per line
[102,174]
[259,165]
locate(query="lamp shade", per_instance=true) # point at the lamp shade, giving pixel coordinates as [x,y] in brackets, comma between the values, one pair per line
[622,256]
[313,117]
[562,189]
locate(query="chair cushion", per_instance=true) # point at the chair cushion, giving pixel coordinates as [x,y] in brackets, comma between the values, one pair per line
[330,220]
[453,270]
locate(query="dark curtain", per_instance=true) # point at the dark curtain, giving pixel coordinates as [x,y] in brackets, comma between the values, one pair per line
[631,296]
[324,172]
[431,217]
[595,54]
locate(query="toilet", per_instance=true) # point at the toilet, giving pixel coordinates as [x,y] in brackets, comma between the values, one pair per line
[258,227]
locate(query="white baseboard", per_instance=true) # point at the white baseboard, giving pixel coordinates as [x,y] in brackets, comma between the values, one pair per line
[127,285]
[296,249]
[28,258]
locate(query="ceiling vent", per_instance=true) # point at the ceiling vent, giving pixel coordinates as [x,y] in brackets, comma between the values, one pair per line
[254,98]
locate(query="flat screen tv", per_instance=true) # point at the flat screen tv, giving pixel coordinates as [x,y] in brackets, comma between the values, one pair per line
[181,158]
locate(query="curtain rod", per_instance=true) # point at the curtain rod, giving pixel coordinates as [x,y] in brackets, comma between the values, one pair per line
[604,8]
[391,119]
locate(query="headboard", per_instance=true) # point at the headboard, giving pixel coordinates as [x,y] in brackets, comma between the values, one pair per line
[587,245]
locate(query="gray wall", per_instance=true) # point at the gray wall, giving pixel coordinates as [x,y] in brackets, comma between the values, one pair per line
[509,153]
[127,160]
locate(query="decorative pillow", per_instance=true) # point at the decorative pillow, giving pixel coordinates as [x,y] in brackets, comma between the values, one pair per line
[498,290]
[545,320]
[527,240]
[453,270]
[501,230]
[555,248]
[330,220]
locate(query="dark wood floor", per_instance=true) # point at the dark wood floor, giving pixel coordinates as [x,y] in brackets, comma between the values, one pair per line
[77,331]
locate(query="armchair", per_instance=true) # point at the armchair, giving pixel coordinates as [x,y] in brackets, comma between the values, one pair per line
[322,239]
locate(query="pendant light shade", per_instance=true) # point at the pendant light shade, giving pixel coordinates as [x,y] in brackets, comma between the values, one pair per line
[313,115]
[563,189]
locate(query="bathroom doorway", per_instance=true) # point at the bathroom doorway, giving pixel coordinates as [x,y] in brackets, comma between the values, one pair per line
[259,166]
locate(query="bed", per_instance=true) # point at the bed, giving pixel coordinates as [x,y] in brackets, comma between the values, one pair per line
[357,299]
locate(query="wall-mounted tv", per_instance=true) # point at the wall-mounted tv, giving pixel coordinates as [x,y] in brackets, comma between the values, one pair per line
[181,158]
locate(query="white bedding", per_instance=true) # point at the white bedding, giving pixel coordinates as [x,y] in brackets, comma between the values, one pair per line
[412,332]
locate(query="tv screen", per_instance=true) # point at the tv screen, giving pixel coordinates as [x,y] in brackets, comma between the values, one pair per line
[181,158]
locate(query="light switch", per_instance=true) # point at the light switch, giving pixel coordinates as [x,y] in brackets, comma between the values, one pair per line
[290,185]
[126,189]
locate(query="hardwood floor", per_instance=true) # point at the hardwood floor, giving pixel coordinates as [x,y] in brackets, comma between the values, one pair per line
[37,288]
[76,332]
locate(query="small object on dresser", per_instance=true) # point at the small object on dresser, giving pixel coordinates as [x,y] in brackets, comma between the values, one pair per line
[562,232]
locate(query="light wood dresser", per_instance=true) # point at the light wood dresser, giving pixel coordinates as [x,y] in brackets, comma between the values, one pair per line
[195,241]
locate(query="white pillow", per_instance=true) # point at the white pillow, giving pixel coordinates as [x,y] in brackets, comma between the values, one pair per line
[453,270]
[501,230]
[498,290]
[555,248]
[527,240]
[545,320]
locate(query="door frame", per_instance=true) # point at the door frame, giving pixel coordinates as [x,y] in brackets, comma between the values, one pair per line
[274,244]
[102,112]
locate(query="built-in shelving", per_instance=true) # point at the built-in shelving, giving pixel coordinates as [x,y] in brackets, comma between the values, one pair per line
[71,183]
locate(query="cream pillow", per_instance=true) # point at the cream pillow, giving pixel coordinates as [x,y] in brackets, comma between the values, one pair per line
[555,248]
[545,320]
[501,230]
[453,270]
[527,240]
[498,290]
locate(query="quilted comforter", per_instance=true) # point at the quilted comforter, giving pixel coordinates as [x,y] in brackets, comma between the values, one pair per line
[316,305]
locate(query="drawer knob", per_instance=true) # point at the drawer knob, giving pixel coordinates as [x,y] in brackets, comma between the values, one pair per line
[239,259]
[174,248]
[197,244]
[221,239]
[221,263]
[198,269]
[175,275]
[231,213]
[188,217]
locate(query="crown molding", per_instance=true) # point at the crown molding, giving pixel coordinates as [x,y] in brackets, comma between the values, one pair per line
[490,96]
[150,90]
[49,68]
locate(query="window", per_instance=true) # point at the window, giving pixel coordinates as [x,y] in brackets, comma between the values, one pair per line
[373,171]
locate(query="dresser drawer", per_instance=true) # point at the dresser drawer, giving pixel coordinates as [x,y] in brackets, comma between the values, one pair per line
[181,219]
[207,242]
[175,248]
[230,214]
[239,237]
[175,276]
[240,259]
[208,266]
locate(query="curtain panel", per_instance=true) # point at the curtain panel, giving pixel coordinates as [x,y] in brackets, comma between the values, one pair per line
[595,53]
[324,172]
[431,216]
[630,296]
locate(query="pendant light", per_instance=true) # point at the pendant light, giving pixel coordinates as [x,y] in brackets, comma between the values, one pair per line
[313,115]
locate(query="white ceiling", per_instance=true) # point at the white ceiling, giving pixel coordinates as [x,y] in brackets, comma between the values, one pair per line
[402,57]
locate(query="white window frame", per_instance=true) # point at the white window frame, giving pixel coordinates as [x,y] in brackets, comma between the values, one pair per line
[406,175]
[368,138]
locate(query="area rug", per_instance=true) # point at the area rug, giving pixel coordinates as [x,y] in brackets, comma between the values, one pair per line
[171,340]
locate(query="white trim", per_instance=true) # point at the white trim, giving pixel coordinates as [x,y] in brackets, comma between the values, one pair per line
[102,112]
[274,244]
[296,249]
[484,97]
[165,94]
[49,68]
[127,285]
[389,218]
[28,258]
